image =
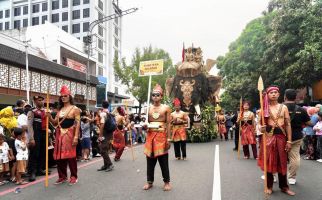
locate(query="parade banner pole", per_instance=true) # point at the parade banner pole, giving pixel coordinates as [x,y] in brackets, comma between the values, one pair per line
[47,126]
[149,91]
[239,124]
[131,144]
[260,89]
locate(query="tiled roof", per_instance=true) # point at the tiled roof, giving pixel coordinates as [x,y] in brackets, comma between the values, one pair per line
[17,57]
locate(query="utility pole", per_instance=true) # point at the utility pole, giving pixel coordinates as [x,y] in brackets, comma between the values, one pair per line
[27,71]
[119,13]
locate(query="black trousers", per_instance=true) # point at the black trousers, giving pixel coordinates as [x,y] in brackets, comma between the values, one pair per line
[37,155]
[104,147]
[282,181]
[164,165]
[236,137]
[179,147]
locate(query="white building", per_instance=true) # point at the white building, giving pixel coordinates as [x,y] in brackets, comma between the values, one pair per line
[74,17]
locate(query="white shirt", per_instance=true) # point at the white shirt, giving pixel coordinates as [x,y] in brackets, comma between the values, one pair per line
[4,152]
[23,121]
[21,154]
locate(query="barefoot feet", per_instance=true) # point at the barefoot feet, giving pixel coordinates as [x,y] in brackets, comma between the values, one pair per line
[166,187]
[147,186]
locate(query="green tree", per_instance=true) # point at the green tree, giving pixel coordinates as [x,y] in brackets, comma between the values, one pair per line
[128,74]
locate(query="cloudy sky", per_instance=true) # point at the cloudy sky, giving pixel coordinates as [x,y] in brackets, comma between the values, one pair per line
[166,24]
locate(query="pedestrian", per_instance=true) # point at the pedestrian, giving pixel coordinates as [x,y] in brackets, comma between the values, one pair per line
[318,129]
[86,121]
[278,140]
[4,157]
[107,127]
[157,145]
[179,120]
[118,135]
[299,118]
[236,130]
[248,130]
[133,132]
[67,122]
[310,139]
[229,124]
[22,155]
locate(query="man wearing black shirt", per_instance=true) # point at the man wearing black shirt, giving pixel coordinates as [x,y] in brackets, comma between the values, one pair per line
[298,117]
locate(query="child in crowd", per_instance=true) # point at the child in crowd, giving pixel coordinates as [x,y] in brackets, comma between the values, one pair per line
[318,129]
[4,159]
[22,155]
[13,153]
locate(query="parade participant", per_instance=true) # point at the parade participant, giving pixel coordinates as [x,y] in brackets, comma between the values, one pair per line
[221,120]
[299,117]
[178,121]
[105,136]
[37,138]
[67,122]
[118,135]
[278,140]
[247,131]
[157,145]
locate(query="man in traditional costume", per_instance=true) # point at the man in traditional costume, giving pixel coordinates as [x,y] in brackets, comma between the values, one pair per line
[278,140]
[247,132]
[179,119]
[67,122]
[157,145]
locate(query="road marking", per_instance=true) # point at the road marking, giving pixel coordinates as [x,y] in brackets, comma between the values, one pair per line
[216,189]
[56,174]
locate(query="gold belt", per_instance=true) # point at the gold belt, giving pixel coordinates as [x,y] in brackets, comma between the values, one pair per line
[178,126]
[157,129]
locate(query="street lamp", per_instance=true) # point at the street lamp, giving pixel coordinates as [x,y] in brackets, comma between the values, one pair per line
[89,41]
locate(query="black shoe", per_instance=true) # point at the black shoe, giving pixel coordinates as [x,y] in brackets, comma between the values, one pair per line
[235,149]
[32,177]
[110,168]
[41,173]
[103,168]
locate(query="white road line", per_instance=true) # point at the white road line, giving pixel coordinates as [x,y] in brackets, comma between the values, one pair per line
[216,189]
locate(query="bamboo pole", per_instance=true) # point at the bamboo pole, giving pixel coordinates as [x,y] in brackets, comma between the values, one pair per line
[47,127]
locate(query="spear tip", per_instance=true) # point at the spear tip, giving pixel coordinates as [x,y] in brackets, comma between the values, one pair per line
[260,85]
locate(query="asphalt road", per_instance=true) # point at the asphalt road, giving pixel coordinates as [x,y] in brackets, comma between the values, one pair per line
[190,179]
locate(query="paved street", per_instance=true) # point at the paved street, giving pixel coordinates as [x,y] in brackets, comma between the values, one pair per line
[191,179]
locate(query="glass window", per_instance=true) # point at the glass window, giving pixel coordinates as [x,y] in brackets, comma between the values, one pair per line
[116,20]
[7,13]
[100,57]
[25,10]
[116,31]
[44,6]
[76,14]
[100,4]
[85,1]
[35,8]
[35,21]
[76,28]
[25,22]
[55,18]
[116,42]
[76,2]
[65,4]
[1,14]
[16,11]
[43,19]
[6,26]
[100,44]
[65,28]
[1,26]
[86,13]
[100,71]
[16,24]
[100,31]
[85,26]
[64,16]
[100,15]
[116,90]
[116,78]
[55,5]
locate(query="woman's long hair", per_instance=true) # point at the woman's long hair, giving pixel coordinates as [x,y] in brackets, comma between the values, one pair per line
[61,104]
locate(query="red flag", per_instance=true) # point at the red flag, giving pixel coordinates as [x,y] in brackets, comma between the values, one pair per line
[183,54]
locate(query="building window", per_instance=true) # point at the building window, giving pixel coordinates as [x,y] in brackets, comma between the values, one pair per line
[85,26]
[25,22]
[116,78]
[100,58]
[116,89]
[1,26]
[64,16]
[65,28]
[76,28]
[55,18]
[44,6]
[86,13]
[100,44]
[7,13]
[100,4]
[116,20]
[43,19]
[76,2]
[35,8]
[85,1]
[65,4]
[100,31]
[6,26]
[35,21]
[116,31]
[55,5]
[16,24]
[14,74]
[100,71]
[1,14]
[100,15]
[25,10]
[116,42]
[76,14]
[16,11]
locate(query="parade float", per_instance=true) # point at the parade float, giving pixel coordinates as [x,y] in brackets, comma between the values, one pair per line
[198,92]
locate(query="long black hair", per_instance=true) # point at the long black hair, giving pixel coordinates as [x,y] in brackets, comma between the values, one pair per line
[61,104]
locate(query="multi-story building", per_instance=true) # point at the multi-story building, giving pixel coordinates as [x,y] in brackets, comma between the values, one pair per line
[74,17]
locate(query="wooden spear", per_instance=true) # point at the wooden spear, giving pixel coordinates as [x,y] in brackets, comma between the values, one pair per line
[260,89]
[239,124]
[47,127]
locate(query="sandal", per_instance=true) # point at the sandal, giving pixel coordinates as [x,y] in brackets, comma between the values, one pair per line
[22,183]
[1,183]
